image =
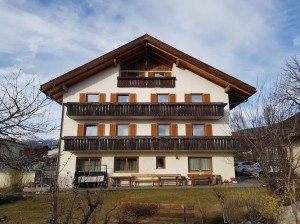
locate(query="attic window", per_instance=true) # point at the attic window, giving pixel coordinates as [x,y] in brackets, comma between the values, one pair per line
[159,74]
[133,74]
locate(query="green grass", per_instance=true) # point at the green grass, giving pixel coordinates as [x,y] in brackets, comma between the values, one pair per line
[38,209]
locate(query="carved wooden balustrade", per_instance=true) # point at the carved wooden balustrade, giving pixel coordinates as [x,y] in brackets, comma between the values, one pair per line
[199,110]
[141,143]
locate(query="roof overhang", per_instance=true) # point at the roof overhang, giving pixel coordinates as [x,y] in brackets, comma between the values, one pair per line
[147,47]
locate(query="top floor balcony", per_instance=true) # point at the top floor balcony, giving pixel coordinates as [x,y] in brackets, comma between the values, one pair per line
[145,110]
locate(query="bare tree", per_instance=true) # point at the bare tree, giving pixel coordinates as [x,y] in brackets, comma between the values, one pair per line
[23,113]
[289,87]
[270,126]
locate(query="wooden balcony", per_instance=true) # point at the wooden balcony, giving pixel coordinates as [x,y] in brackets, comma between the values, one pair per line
[146,110]
[147,82]
[146,143]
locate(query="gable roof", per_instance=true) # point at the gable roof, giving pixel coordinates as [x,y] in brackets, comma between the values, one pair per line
[147,46]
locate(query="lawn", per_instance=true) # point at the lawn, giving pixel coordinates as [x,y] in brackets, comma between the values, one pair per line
[38,208]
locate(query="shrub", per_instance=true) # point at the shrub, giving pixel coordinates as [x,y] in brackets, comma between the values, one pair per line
[133,212]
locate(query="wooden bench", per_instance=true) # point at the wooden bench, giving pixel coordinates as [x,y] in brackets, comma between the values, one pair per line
[144,178]
[174,179]
[170,213]
[201,178]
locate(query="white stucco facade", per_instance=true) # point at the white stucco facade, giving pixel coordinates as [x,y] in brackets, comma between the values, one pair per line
[175,161]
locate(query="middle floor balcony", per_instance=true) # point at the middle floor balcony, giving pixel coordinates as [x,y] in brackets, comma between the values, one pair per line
[145,110]
[146,143]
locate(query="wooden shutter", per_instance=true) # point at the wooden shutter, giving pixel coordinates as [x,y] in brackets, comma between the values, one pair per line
[80,130]
[132,130]
[101,129]
[82,98]
[132,97]
[189,129]
[113,97]
[154,130]
[113,130]
[173,130]
[168,74]
[206,98]
[150,74]
[102,97]
[172,98]
[187,98]
[153,98]
[208,130]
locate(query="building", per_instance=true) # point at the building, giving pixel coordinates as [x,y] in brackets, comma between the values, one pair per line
[146,108]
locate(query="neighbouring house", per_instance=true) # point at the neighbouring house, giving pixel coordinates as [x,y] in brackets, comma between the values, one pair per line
[146,108]
[11,154]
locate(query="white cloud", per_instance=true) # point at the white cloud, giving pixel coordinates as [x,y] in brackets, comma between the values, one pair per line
[246,40]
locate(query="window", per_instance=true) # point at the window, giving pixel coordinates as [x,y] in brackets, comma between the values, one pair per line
[198,130]
[92,97]
[133,74]
[163,130]
[200,164]
[162,98]
[88,164]
[160,163]
[126,164]
[91,130]
[158,74]
[196,98]
[123,98]
[122,130]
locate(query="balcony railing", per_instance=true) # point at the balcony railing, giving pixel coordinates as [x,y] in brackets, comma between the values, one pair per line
[193,110]
[147,82]
[142,143]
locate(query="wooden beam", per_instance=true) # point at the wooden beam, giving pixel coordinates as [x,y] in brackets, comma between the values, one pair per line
[65,88]
[146,50]
[177,62]
[226,90]
[115,62]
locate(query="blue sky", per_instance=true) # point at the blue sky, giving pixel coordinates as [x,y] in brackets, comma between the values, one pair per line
[249,40]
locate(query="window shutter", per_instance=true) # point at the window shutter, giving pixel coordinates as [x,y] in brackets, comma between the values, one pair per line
[172,98]
[113,130]
[101,129]
[102,97]
[168,74]
[208,130]
[132,130]
[154,130]
[113,97]
[150,74]
[189,129]
[174,130]
[141,74]
[187,98]
[153,98]
[206,98]
[80,130]
[82,98]
[132,97]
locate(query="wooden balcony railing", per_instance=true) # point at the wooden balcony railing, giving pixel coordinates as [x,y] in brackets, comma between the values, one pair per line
[147,82]
[198,110]
[142,143]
